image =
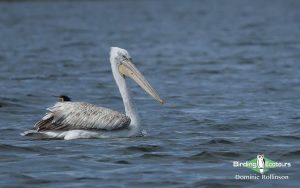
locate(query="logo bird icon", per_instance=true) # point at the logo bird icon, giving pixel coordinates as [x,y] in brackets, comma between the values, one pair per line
[260,162]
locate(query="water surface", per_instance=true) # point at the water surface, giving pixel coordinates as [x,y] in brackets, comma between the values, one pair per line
[229,72]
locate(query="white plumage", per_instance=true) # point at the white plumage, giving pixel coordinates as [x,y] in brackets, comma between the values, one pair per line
[79,115]
[72,120]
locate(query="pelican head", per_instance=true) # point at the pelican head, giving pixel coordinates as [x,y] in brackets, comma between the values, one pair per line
[122,62]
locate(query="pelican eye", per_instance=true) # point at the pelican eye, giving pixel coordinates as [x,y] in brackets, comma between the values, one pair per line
[124,58]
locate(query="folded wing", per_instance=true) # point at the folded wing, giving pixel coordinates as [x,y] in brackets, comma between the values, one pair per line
[79,115]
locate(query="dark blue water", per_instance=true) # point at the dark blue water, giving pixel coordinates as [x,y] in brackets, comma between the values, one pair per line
[228,70]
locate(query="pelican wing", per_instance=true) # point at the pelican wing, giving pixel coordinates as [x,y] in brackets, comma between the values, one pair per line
[79,115]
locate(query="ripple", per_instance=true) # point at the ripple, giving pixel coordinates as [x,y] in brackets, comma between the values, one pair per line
[28,149]
[212,156]
[276,138]
[10,102]
[157,156]
[78,44]
[218,141]
[144,148]
[122,162]
[207,156]
[293,154]
[45,77]
[221,183]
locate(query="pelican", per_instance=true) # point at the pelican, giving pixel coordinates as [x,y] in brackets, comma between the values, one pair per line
[73,120]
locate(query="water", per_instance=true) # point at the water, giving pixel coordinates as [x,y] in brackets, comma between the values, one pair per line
[229,72]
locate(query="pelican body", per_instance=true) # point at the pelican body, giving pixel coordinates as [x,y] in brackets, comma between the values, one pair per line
[72,120]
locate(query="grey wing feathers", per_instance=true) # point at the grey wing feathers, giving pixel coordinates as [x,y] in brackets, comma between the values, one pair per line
[79,115]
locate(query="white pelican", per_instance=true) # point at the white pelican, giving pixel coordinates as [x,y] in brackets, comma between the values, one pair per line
[72,120]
